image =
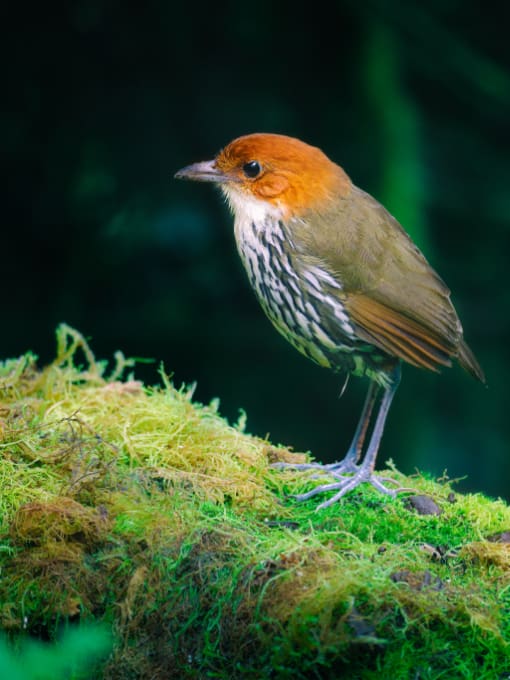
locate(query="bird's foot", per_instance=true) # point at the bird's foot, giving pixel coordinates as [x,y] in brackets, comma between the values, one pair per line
[346,484]
[345,466]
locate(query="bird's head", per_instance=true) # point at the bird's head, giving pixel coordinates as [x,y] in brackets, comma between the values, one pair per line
[272,173]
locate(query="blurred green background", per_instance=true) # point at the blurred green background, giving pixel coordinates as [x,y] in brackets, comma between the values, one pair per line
[104,101]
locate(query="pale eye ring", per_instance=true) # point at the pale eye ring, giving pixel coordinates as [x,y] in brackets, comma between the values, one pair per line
[252,169]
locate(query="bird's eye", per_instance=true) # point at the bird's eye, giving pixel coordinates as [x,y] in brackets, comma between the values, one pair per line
[252,169]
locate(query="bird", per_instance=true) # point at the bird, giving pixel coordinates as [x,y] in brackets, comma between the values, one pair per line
[339,278]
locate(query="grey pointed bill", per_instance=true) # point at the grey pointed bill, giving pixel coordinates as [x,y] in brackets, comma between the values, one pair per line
[205,171]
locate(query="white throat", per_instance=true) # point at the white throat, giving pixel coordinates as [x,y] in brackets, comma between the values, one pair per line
[246,208]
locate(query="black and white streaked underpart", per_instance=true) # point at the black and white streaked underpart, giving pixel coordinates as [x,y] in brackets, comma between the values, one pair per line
[303,302]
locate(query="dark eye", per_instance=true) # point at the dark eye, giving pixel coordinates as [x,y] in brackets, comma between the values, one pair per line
[252,169]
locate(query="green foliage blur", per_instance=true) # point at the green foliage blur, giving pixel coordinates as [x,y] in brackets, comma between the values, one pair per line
[104,102]
[73,657]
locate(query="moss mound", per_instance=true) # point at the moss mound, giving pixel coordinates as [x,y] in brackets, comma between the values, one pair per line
[137,508]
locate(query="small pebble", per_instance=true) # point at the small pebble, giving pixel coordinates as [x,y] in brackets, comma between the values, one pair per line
[424,505]
[501,537]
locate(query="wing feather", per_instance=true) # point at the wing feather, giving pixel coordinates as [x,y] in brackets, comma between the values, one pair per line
[395,299]
[397,334]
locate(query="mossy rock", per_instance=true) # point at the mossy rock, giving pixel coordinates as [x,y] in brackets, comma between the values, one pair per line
[138,509]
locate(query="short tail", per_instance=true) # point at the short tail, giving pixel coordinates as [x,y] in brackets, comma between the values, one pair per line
[468,361]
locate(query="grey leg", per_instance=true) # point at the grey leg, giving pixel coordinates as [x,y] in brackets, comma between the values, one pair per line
[348,462]
[352,456]
[363,472]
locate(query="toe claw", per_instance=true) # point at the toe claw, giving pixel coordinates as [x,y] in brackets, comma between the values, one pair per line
[348,476]
[346,484]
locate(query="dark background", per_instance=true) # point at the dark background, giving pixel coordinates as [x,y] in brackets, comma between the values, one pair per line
[104,101]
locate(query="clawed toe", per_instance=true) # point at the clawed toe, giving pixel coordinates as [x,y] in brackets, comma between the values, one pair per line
[345,466]
[348,476]
[346,484]
[297,466]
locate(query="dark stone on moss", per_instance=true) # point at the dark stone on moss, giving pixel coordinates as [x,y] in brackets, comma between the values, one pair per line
[417,580]
[424,505]
[501,537]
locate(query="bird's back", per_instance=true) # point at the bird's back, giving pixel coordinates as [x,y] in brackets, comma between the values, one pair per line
[393,297]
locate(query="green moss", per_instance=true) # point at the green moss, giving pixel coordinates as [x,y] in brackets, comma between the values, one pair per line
[137,508]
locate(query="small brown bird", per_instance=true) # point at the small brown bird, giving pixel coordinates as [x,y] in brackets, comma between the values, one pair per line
[338,277]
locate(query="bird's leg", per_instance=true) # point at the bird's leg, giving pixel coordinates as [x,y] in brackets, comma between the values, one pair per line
[348,462]
[364,472]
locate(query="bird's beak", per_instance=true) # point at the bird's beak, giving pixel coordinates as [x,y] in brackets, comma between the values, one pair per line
[206,171]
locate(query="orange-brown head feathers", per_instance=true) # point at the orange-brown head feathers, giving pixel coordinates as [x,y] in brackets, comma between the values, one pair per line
[289,175]
[282,171]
